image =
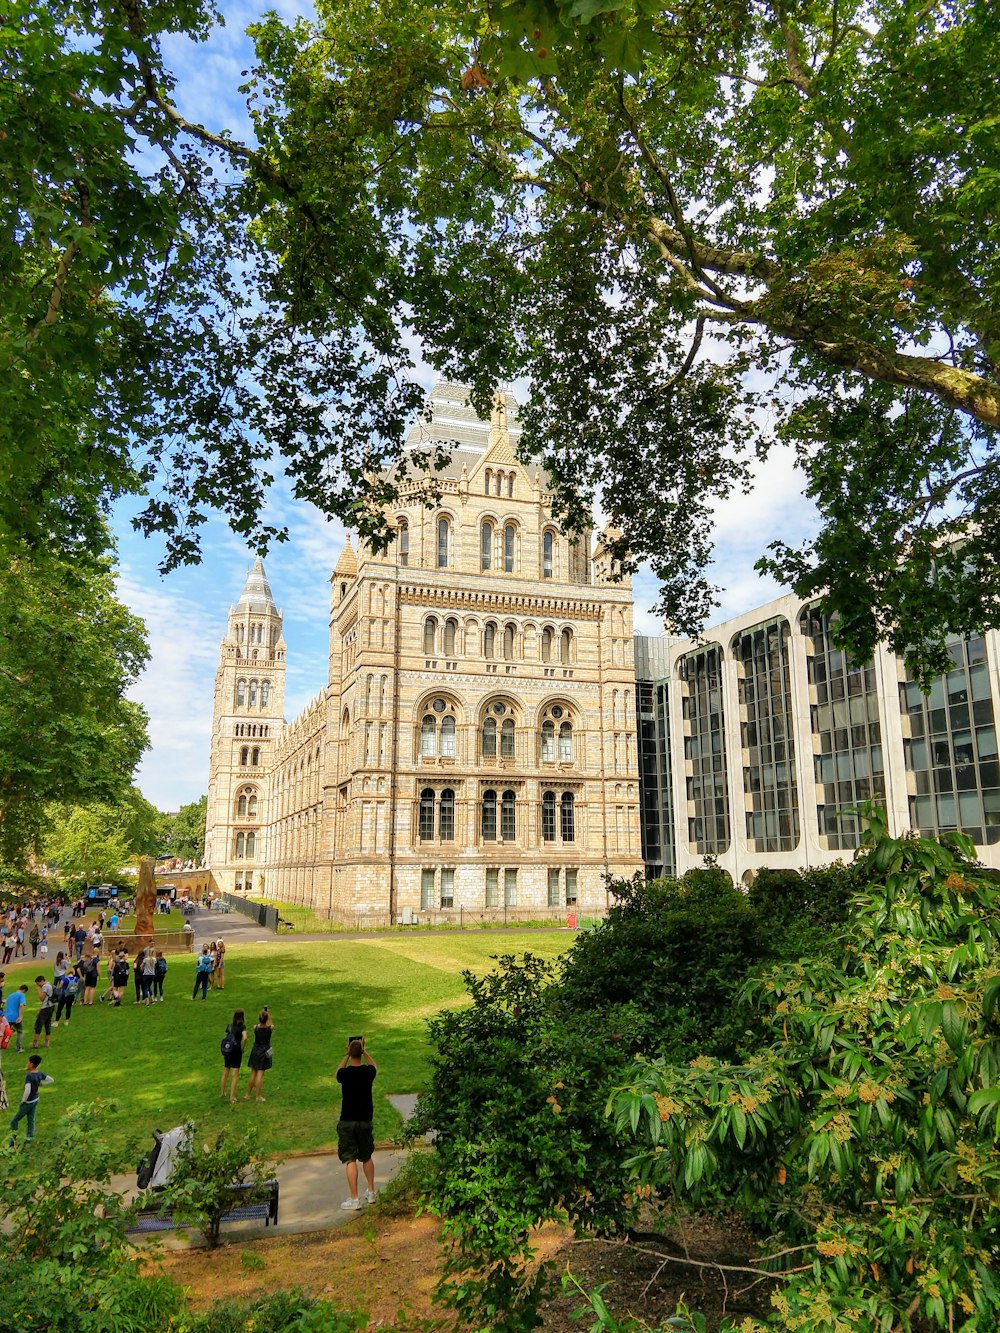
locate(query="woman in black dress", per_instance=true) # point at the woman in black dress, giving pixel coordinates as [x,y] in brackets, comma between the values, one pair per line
[260,1055]
[233,1061]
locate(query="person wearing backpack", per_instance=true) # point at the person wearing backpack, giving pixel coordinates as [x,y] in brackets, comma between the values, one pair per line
[232,1047]
[203,970]
[159,972]
[67,994]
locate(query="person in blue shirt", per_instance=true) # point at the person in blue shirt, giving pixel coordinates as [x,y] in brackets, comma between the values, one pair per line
[203,970]
[14,1013]
[33,1080]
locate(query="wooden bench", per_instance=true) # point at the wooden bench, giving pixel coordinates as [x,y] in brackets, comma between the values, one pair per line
[249,1210]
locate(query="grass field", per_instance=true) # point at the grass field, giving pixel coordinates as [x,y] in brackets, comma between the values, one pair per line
[162,1064]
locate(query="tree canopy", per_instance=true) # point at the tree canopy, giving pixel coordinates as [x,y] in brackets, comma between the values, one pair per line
[69,651]
[183,833]
[695,229]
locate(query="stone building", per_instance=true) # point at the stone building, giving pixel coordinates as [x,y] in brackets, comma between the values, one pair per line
[474,750]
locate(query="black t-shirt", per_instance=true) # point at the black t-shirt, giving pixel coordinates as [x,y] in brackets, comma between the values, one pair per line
[356,1086]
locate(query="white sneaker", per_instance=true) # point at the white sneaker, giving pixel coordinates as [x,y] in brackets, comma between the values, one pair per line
[351,1205]
[371,1196]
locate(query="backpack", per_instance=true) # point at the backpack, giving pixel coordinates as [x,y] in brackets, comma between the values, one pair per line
[161,967]
[70,986]
[228,1044]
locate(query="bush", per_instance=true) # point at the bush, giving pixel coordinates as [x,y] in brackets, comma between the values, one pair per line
[67,1262]
[278,1312]
[859,1140]
[200,1192]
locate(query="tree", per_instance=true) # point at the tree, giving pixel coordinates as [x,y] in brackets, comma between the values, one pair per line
[184,833]
[858,1139]
[592,194]
[96,841]
[69,651]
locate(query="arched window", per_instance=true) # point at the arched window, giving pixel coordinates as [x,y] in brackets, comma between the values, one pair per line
[510,485]
[508,548]
[507,738]
[567,822]
[489,640]
[565,645]
[265,692]
[489,816]
[241,806]
[239,633]
[566,743]
[546,645]
[240,846]
[486,545]
[251,843]
[252,807]
[255,756]
[508,817]
[490,738]
[241,693]
[345,725]
[508,642]
[244,755]
[547,549]
[489,478]
[253,694]
[448,737]
[446,816]
[444,540]
[430,634]
[426,826]
[499,483]
[549,817]
[428,735]
[450,630]
[404,542]
[548,741]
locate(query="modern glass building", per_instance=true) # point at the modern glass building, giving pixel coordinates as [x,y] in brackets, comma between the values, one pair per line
[758,740]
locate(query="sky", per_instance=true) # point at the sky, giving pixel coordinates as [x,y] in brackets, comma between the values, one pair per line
[186,611]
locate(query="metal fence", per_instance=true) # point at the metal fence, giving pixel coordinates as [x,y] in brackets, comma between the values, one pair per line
[263,915]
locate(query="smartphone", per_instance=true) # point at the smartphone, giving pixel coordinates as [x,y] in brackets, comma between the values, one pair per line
[358,1038]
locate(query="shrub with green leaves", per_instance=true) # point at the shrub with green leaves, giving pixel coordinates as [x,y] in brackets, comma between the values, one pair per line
[860,1138]
[67,1262]
[200,1192]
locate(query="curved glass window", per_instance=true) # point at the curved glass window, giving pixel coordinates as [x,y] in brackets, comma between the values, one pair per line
[508,548]
[253,694]
[567,822]
[443,542]
[489,739]
[254,756]
[241,693]
[448,737]
[508,819]
[265,692]
[566,743]
[508,642]
[430,633]
[507,738]
[489,816]
[404,543]
[546,645]
[241,807]
[251,843]
[549,817]
[240,845]
[428,735]
[547,553]
[245,755]
[548,741]
[446,818]
[426,825]
[510,485]
[252,807]
[486,546]
[489,640]
[565,646]
[450,630]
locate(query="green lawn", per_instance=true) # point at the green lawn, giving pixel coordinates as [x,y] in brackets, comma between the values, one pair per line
[162,1064]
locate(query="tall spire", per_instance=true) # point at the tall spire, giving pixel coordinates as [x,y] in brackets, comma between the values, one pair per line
[256,594]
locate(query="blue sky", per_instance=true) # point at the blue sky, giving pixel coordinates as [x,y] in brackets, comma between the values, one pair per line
[186,611]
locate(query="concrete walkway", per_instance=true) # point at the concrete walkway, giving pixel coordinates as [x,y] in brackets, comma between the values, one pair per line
[312,1189]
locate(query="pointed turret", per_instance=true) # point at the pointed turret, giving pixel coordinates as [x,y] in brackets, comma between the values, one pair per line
[347,566]
[256,595]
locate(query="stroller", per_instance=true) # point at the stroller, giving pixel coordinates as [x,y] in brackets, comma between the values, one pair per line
[156,1168]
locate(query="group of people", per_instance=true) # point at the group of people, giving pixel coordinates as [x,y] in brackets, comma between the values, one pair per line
[210,969]
[261,1057]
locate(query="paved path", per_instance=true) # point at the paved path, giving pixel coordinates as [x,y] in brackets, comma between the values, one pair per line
[312,1190]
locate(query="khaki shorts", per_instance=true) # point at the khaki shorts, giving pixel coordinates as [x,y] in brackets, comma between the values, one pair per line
[355,1140]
